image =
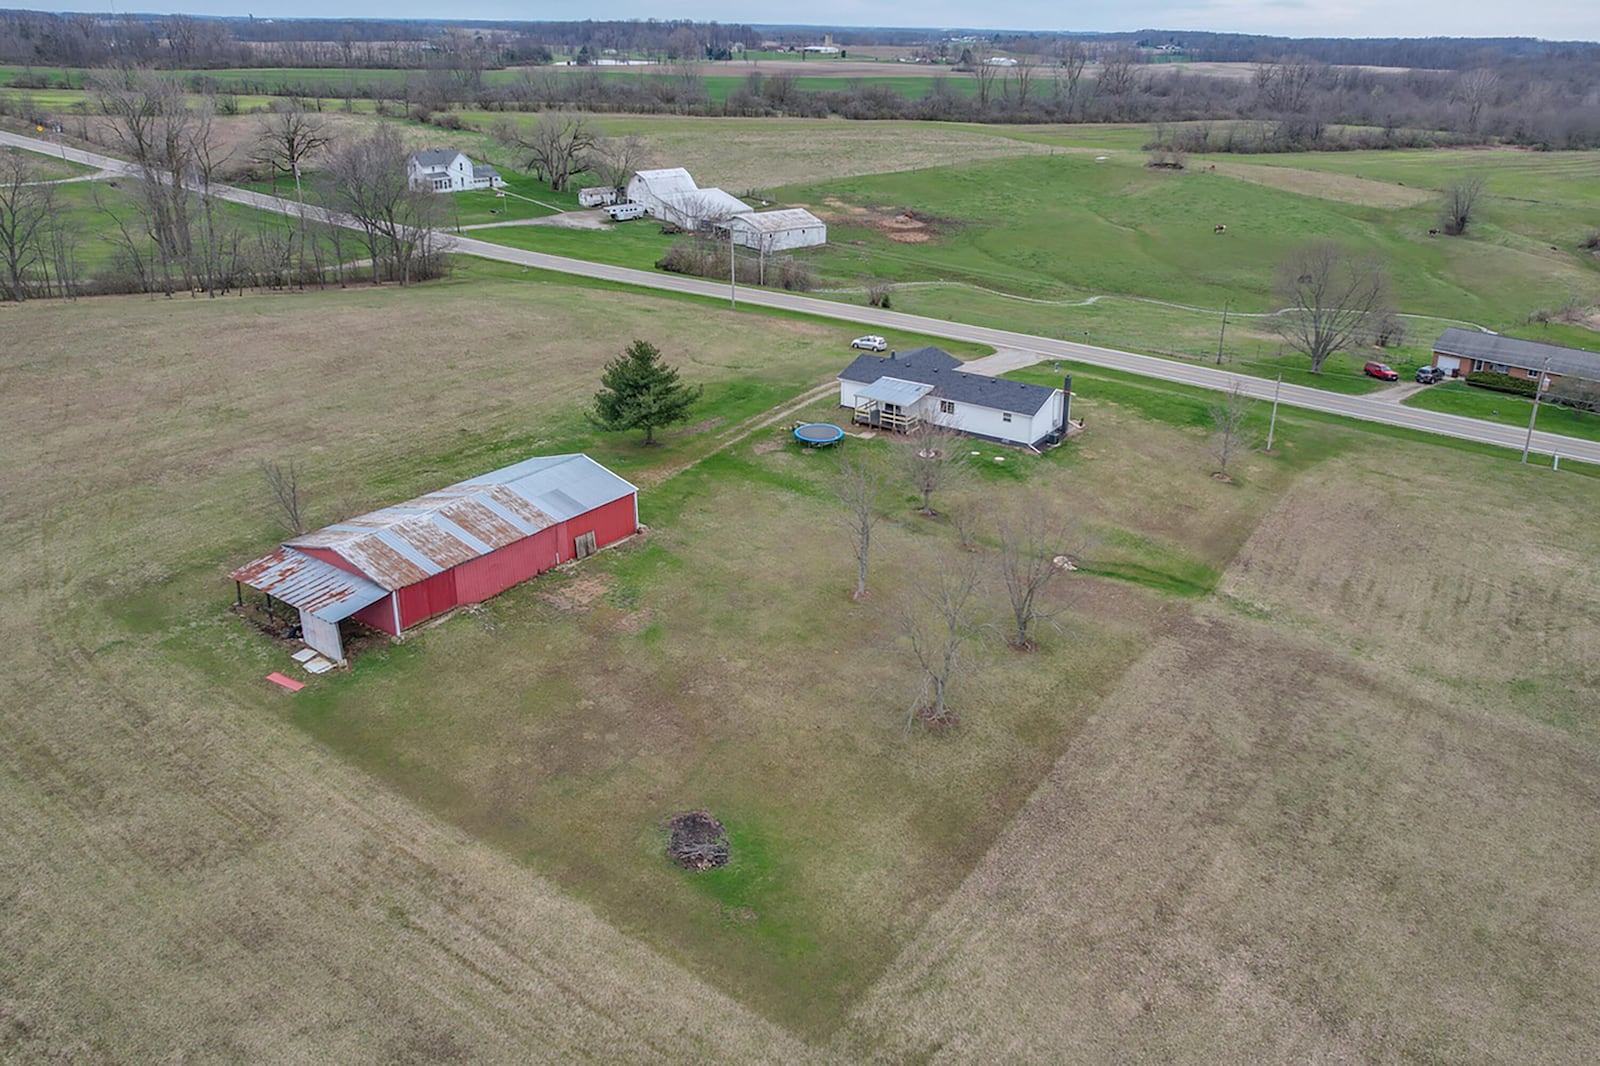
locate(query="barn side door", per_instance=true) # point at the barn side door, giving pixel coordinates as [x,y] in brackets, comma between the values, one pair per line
[584,545]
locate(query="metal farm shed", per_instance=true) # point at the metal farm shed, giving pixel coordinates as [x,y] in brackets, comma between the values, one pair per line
[402,565]
[777,231]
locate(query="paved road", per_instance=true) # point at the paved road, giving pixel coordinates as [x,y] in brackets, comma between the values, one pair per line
[882,321]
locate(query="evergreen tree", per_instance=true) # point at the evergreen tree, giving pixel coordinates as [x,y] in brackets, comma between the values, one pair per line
[641,392]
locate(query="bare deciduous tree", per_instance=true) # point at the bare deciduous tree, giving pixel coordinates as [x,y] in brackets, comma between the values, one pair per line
[933,461]
[367,179]
[287,137]
[1031,542]
[615,160]
[1071,58]
[1476,89]
[1333,295]
[859,484]
[1460,201]
[26,208]
[551,151]
[940,621]
[1230,433]
[283,482]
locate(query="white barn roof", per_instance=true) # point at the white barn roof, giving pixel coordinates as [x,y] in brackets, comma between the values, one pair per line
[787,218]
[667,182]
[704,204]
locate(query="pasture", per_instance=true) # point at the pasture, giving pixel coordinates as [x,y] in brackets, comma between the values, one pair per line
[1259,772]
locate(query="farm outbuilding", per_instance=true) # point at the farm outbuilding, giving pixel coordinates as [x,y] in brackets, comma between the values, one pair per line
[777,231]
[402,565]
[672,196]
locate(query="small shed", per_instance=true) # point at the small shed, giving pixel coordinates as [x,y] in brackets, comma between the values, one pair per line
[777,231]
[597,196]
[396,567]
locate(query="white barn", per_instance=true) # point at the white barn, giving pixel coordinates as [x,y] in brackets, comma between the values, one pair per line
[902,389]
[447,170]
[777,231]
[672,196]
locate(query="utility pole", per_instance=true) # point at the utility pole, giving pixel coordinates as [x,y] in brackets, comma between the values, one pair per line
[1273,425]
[1224,332]
[1538,391]
[733,278]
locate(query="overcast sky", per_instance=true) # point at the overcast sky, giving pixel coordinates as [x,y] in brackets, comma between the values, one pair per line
[1552,19]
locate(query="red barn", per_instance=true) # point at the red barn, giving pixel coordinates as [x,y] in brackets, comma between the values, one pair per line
[405,564]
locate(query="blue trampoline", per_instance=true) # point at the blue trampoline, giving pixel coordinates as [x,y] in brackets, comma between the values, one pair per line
[818,434]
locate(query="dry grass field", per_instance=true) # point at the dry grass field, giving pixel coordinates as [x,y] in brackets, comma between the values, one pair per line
[1337,808]
[1342,812]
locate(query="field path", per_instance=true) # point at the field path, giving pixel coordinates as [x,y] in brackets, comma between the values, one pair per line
[1358,407]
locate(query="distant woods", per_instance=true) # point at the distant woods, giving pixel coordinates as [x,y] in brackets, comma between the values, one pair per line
[1300,95]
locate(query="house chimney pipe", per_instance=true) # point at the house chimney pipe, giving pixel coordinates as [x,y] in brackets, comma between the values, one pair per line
[1066,405]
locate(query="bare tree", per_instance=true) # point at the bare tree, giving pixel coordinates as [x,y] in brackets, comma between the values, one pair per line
[283,483]
[1475,89]
[987,74]
[860,484]
[1020,87]
[616,159]
[1071,59]
[940,621]
[1118,76]
[1035,548]
[551,151]
[1333,294]
[367,180]
[151,123]
[1460,201]
[26,208]
[1230,434]
[286,137]
[933,460]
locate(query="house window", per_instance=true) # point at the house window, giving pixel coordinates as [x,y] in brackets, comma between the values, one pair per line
[947,407]
[1500,368]
[1477,365]
[1005,416]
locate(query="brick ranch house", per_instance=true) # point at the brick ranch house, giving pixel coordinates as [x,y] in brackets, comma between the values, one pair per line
[1460,352]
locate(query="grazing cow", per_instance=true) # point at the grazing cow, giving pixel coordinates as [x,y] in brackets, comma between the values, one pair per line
[1219,229]
[1433,233]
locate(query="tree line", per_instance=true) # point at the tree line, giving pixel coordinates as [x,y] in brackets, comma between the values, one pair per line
[170,231]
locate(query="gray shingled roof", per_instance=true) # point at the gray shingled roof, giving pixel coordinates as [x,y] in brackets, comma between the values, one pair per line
[937,367]
[1530,355]
[435,157]
[484,170]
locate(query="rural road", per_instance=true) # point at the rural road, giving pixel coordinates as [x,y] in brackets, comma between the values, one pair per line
[1365,408]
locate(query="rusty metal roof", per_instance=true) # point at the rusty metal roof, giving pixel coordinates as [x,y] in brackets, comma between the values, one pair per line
[318,588]
[401,545]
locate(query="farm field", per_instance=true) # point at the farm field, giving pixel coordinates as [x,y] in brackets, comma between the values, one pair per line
[1248,784]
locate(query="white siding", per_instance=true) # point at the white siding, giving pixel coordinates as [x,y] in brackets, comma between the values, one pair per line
[323,636]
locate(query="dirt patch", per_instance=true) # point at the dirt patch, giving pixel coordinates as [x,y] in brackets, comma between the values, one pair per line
[577,593]
[697,841]
[634,622]
[767,447]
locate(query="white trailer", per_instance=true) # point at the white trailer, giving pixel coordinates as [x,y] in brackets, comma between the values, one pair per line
[626,212]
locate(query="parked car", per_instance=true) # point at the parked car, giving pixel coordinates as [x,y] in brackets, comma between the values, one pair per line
[1382,371]
[1430,375]
[870,344]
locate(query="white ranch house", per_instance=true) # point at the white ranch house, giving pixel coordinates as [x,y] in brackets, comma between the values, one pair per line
[898,391]
[672,196]
[447,170]
[777,231]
